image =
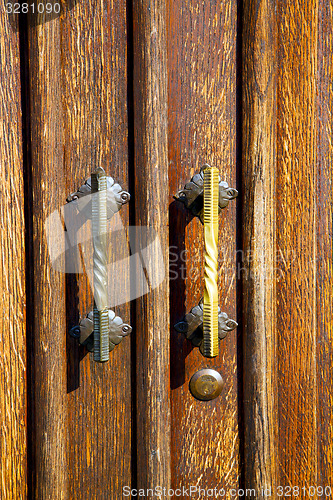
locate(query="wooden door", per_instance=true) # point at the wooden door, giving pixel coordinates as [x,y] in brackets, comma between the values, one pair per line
[151,91]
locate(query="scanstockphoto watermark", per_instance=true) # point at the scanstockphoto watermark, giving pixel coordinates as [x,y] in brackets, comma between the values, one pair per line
[239,264]
[188,492]
[135,262]
[133,259]
[196,492]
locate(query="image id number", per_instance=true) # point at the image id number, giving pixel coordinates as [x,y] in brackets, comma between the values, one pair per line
[305,491]
[38,8]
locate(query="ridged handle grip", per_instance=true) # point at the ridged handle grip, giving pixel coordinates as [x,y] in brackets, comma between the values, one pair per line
[211,227]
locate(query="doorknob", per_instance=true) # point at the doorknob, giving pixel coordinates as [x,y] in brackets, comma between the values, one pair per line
[205,195]
[101,330]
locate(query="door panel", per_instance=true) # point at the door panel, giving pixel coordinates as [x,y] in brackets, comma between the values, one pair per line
[13,449]
[150,180]
[151,91]
[296,242]
[257,256]
[324,250]
[78,88]
[202,129]
[94,86]
[286,221]
[47,343]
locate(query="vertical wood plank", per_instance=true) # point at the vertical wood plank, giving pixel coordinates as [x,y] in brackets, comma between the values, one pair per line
[13,482]
[151,210]
[258,245]
[296,184]
[94,97]
[78,80]
[202,129]
[49,321]
[324,216]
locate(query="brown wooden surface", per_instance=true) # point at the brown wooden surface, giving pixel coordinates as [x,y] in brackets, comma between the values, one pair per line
[292,422]
[324,249]
[202,129]
[161,112]
[12,271]
[94,80]
[296,195]
[48,343]
[258,320]
[78,122]
[151,210]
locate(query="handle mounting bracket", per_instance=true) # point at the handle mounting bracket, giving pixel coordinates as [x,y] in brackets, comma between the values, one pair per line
[192,325]
[192,194]
[84,331]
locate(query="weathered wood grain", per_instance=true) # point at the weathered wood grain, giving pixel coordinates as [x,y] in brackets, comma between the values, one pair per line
[48,343]
[324,250]
[259,69]
[202,129]
[94,100]
[83,428]
[296,194]
[78,87]
[13,483]
[151,210]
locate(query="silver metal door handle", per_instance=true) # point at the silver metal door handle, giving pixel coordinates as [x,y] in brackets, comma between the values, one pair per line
[101,330]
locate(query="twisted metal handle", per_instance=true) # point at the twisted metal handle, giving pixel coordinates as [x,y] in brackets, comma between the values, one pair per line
[99,227]
[210,299]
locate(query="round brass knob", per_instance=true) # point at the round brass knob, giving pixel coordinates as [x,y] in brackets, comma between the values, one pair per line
[206,384]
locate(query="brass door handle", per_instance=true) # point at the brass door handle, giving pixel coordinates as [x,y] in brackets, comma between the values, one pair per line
[211,229]
[205,196]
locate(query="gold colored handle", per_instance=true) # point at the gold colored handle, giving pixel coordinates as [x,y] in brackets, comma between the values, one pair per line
[211,227]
